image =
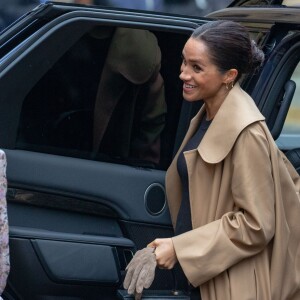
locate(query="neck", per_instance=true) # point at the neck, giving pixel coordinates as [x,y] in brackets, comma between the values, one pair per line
[212,105]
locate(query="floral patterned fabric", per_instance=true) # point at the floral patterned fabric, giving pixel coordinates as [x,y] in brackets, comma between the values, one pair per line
[4,247]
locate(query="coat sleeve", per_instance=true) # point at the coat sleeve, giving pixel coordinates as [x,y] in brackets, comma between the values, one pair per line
[209,250]
[4,248]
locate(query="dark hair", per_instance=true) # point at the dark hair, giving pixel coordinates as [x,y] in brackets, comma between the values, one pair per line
[230,46]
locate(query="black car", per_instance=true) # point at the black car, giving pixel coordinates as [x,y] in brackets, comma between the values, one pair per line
[88,141]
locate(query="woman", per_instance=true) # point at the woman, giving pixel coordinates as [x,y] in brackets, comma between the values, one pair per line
[233,196]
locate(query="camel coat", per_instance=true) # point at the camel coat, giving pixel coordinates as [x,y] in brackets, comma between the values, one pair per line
[245,209]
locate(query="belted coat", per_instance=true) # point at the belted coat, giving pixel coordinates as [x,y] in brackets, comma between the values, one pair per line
[245,209]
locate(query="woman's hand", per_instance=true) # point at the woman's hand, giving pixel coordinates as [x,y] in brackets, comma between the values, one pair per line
[165,253]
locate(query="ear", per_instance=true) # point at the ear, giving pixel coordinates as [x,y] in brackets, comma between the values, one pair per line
[230,76]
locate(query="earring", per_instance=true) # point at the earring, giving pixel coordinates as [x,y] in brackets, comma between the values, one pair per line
[232,84]
[227,88]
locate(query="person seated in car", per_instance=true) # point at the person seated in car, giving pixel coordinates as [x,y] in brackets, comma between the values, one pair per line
[130,108]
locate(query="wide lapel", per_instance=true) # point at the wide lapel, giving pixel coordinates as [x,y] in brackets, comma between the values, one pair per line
[236,113]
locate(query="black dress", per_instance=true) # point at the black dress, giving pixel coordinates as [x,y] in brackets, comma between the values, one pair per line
[184,220]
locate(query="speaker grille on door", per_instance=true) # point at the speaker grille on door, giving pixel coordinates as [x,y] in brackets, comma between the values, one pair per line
[155,199]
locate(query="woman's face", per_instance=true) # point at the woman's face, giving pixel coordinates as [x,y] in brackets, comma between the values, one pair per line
[201,78]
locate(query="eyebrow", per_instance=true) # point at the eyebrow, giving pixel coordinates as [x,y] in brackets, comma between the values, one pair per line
[192,60]
[196,61]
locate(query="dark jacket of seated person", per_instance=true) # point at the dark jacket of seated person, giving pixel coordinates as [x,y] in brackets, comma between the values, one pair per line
[130,107]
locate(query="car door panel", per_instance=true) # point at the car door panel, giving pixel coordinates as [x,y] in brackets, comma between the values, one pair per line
[74,258]
[78,263]
[121,188]
[38,281]
[67,207]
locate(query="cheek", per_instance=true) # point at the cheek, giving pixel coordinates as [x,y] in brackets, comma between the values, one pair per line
[200,80]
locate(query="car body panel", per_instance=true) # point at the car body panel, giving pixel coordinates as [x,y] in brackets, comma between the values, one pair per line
[287,15]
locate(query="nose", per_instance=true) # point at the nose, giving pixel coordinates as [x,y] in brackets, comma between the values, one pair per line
[184,73]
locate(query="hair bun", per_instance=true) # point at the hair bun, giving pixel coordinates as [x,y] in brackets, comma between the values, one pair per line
[230,46]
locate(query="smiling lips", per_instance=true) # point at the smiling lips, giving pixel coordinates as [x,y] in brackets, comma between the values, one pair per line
[188,87]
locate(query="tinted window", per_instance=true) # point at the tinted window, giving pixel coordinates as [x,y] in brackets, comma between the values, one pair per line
[113,96]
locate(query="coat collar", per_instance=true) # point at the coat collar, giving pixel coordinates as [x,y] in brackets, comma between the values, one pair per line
[236,113]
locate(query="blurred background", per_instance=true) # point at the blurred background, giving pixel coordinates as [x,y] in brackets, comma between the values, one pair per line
[10,10]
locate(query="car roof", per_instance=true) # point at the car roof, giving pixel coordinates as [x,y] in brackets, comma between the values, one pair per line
[273,14]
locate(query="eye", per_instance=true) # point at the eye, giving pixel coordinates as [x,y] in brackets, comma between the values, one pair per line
[183,60]
[196,68]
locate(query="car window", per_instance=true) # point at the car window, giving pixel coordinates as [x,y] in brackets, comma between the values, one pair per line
[290,135]
[113,96]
